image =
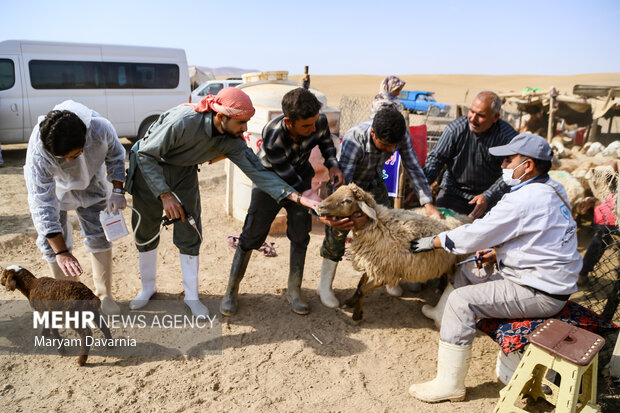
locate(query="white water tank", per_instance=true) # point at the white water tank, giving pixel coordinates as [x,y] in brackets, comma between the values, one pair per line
[267,96]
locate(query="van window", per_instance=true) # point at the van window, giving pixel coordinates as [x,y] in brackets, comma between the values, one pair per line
[155,76]
[7,74]
[118,75]
[53,74]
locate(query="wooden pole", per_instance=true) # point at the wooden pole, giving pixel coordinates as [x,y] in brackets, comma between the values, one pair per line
[551,123]
[398,201]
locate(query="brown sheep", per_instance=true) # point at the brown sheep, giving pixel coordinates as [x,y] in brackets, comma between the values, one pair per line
[381,248]
[48,294]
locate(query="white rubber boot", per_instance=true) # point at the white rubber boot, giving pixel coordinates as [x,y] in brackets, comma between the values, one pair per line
[102,278]
[148,276]
[189,267]
[58,274]
[326,293]
[449,384]
[396,291]
[436,313]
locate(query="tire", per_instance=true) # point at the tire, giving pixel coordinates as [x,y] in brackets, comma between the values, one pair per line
[146,124]
[434,111]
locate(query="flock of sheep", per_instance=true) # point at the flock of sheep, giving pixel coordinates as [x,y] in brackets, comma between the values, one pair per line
[587,173]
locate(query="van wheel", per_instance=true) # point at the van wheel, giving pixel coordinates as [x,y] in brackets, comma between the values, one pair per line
[434,111]
[146,124]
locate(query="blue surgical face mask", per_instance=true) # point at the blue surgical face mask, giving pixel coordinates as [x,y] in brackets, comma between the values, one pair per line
[507,175]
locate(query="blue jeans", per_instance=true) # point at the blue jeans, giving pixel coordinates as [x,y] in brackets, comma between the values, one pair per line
[91,231]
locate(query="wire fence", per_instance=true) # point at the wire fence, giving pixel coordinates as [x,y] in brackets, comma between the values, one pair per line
[356,109]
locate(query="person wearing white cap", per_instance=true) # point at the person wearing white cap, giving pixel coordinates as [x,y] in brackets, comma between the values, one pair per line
[527,262]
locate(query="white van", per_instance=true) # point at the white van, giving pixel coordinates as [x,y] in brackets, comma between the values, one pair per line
[129,85]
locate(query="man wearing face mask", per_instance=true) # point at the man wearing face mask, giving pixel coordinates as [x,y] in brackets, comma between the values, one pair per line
[75,162]
[528,245]
[472,182]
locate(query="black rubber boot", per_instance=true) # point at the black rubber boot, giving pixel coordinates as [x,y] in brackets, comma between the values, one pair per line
[228,306]
[295,276]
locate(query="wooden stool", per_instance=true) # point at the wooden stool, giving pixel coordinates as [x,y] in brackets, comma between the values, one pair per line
[570,351]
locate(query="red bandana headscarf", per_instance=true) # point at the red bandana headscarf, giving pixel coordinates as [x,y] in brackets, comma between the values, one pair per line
[230,101]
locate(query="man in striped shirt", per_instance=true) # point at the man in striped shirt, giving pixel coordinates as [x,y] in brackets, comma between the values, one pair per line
[365,149]
[472,183]
[288,140]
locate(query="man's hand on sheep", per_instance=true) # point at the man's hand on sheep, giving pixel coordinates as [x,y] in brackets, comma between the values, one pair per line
[65,260]
[356,221]
[481,206]
[341,223]
[336,177]
[422,244]
[431,210]
[69,264]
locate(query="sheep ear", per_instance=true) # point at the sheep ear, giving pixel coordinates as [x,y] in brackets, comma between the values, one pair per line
[372,214]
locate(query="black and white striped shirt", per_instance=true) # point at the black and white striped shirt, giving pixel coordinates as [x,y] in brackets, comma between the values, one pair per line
[290,160]
[470,168]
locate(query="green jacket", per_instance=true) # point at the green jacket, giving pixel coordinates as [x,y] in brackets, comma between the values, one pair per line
[184,137]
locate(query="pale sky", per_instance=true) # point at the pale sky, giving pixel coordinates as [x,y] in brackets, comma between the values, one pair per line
[546,37]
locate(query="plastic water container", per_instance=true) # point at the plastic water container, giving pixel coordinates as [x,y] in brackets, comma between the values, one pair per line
[113,225]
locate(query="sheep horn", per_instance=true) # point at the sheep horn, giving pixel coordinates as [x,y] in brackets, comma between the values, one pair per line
[357,193]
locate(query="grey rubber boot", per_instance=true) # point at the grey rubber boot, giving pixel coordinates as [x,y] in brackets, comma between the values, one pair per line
[228,305]
[295,276]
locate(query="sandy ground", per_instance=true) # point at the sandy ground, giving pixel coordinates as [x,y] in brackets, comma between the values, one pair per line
[270,360]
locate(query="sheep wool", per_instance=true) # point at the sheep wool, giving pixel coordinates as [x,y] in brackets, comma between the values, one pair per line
[381,248]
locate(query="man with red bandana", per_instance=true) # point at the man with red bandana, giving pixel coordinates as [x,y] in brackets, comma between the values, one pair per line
[163,175]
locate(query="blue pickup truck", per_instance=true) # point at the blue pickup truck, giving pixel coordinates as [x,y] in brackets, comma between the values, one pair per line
[419,101]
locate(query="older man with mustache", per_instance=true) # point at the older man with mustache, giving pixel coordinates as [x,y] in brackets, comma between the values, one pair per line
[472,183]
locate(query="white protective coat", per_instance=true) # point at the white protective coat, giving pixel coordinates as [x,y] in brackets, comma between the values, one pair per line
[534,235]
[56,185]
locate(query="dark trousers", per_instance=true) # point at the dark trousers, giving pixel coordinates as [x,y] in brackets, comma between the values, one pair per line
[183,181]
[454,202]
[601,239]
[261,213]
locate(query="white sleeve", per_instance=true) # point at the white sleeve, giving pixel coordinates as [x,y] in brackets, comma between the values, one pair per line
[499,225]
[44,205]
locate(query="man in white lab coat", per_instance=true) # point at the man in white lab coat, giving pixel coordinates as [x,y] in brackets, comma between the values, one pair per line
[75,162]
[526,264]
